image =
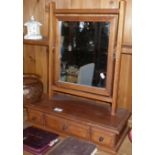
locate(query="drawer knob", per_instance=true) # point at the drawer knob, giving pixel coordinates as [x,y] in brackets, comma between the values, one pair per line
[64,127]
[34,119]
[101,139]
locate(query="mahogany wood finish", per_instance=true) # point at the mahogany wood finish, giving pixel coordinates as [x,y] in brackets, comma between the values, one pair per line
[83,119]
[66,126]
[102,137]
[35,117]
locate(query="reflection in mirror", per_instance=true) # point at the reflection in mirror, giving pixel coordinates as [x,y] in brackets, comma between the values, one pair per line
[84,52]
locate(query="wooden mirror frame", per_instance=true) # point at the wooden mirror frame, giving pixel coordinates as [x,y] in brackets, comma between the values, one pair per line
[88,89]
[109,94]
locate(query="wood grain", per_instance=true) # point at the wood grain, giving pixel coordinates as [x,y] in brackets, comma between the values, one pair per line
[125,84]
[87,11]
[94,114]
[128,24]
[78,4]
[87,89]
[38,8]
[35,61]
[118,56]
[35,57]
[81,119]
[42,42]
[125,148]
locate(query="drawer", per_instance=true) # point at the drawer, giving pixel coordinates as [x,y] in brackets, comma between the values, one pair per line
[78,130]
[36,117]
[55,123]
[66,126]
[102,137]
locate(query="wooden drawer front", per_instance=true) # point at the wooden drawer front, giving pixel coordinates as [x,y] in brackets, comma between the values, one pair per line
[55,123]
[66,126]
[78,130]
[102,137]
[35,117]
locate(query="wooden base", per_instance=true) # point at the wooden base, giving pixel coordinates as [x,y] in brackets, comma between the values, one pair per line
[84,119]
[115,149]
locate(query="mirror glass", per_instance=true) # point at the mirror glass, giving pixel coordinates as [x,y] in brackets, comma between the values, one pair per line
[84,52]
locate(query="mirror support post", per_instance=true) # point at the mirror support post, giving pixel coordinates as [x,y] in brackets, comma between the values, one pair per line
[118,56]
[51,48]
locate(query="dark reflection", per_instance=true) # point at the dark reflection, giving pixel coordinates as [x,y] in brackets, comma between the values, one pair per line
[84,51]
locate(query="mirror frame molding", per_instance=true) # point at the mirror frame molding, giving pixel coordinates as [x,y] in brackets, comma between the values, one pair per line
[62,87]
[106,91]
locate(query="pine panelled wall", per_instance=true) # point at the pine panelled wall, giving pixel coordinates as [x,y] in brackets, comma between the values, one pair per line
[35,57]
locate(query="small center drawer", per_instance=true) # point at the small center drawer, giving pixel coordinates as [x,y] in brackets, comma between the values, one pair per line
[66,126]
[102,137]
[35,117]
